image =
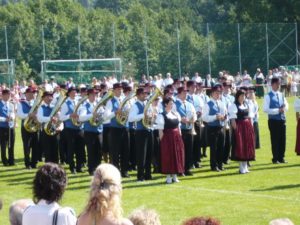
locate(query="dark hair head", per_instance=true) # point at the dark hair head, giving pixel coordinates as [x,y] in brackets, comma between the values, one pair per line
[202,221]
[49,183]
[237,95]
[167,100]
[275,80]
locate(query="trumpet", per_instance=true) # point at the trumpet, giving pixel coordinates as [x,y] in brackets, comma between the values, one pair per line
[149,120]
[75,121]
[51,128]
[125,107]
[98,120]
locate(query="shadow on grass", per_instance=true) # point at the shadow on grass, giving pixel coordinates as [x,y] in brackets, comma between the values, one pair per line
[279,187]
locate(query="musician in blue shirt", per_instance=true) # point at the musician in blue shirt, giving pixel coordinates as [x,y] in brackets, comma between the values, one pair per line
[214,115]
[275,105]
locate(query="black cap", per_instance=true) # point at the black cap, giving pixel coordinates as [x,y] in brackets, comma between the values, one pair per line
[30,90]
[91,91]
[5,91]
[190,83]
[127,88]
[217,87]
[117,85]
[71,89]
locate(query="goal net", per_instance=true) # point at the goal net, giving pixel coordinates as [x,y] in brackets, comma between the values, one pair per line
[7,71]
[81,70]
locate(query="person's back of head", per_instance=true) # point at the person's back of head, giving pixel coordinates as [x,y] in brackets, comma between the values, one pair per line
[16,210]
[144,217]
[202,221]
[284,221]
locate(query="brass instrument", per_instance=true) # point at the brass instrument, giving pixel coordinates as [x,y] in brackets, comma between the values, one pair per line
[97,120]
[51,128]
[31,125]
[75,121]
[125,107]
[149,120]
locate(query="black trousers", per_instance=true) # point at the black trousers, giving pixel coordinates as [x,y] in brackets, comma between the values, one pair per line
[187,138]
[256,132]
[132,157]
[119,148]
[74,148]
[5,135]
[50,147]
[216,141]
[197,143]
[93,142]
[278,138]
[156,152]
[63,146]
[30,147]
[144,148]
[227,145]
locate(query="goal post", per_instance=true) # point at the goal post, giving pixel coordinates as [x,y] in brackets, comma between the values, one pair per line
[7,71]
[81,70]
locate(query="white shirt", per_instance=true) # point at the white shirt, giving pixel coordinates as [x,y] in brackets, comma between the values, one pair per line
[297,105]
[167,81]
[64,109]
[108,113]
[42,214]
[40,115]
[134,115]
[275,111]
[211,118]
[197,79]
[233,110]
[20,112]
[83,115]
[11,111]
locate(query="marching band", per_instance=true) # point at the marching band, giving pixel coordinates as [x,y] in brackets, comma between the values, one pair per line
[124,125]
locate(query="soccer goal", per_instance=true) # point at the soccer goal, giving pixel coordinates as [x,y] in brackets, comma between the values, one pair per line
[81,70]
[7,71]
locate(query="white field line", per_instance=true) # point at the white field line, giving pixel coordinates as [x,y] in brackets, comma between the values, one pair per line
[238,193]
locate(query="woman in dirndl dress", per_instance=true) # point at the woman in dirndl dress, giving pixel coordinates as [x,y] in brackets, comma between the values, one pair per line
[171,144]
[243,149]
[297,110]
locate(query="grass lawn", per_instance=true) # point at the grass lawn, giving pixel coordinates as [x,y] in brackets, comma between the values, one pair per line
[269,191]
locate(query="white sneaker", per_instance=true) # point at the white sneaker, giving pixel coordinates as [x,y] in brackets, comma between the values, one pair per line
[169,180]
[175,179]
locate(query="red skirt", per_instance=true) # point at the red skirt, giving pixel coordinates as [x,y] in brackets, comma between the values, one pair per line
[172,152]
[297,148]
[244,139]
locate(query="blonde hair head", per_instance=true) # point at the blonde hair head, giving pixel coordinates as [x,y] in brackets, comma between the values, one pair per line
[144,216]
[105,193]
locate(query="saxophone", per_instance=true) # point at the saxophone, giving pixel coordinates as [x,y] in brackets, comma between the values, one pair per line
[51,128]
[125,107]
[98,120]
[148,121]
[31,125]
[75,121]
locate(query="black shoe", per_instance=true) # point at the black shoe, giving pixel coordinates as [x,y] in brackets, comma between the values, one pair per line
[275,162]
[125,175]
[188,173]
[28,167]
[73,171]
[216,169]
[197,165]
[11,164]
[33,166]
[221,168]
[282,161]
[226,162]
[149,177]
[79,170]
[140,180]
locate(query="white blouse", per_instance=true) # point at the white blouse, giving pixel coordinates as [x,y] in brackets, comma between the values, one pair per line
[160,120]
[233,110]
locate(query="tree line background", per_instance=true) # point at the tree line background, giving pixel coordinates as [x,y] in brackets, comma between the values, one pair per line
[122,28]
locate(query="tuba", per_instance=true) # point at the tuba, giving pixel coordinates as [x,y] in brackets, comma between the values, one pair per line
[148,121]
[74,121]
[98,120]
[125,107]
[51,128]
[31,125]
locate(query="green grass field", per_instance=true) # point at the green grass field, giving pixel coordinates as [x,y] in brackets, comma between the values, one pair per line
[268,192]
